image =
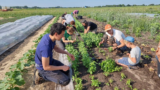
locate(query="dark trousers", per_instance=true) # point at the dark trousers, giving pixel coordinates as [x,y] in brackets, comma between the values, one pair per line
[58,76]
[158,66]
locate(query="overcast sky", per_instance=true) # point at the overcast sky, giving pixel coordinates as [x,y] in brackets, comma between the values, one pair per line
[73,3]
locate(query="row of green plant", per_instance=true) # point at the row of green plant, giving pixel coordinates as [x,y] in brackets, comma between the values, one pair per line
[13,79]
[79,26]
[90,39]
[75,65]
[129,23]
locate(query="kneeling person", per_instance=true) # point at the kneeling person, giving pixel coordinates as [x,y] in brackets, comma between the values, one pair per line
[116,36]
[47,67]
[64,41]
[134,55]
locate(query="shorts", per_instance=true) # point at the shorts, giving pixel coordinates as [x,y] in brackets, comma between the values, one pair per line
[57,76]
[124,61]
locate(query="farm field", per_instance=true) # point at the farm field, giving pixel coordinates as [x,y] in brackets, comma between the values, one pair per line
[89,74]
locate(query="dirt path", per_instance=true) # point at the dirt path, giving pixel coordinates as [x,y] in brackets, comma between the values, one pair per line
[45,85]
[1,18]
[12,56]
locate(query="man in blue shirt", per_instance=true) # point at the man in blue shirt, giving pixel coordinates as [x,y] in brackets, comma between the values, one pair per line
[47,67]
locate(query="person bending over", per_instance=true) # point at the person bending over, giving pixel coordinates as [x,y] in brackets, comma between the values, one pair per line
[89,27]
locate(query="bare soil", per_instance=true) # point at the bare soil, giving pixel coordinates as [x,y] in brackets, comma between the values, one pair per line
[142,78]
[12,56]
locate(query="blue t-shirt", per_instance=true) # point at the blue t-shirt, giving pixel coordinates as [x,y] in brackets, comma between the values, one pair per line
[44,49]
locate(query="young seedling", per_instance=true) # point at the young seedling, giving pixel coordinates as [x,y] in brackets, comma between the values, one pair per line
[111,81]
[129,83]
[110,49]
[147,57]
[107,84]
[95,83]
[116,88]
[122,76]
[153,50]
[135,89]
[78,85]
[98,88]
[106,74]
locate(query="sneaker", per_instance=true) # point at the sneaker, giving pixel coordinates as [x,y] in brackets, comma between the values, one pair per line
[37,78]
[133,67]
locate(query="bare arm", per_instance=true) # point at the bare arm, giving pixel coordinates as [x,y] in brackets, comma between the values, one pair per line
[63,52]
[88,28]
[46,66]
[122,43]
[132,59]
[66,41]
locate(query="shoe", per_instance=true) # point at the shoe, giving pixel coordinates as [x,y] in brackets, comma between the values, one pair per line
[133,67]
[37,78]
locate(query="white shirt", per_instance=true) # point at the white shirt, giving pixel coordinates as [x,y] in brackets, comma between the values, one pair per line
[135,53]
[118,35]
[69,18]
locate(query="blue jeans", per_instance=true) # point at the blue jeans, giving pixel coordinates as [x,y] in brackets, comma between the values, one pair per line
[124,61]
[57,76]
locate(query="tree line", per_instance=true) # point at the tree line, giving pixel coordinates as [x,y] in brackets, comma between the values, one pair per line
[120,5]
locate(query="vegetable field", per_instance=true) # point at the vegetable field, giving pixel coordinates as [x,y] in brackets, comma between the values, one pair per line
[94,67]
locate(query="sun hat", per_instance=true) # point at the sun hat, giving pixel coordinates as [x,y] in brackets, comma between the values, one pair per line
[108,27]
[129,39]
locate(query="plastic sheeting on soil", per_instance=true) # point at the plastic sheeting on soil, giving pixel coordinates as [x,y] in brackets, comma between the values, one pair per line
[63,58]
[147,14]
[13,32]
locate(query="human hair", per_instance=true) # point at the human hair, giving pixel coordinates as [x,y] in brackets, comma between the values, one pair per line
[57,28]
[126,42]
[70,29]
[85,21]
[72,23]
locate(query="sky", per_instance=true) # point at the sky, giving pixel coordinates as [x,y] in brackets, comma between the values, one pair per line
[73,3]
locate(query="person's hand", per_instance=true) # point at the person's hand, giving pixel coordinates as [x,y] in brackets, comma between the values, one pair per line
[71,56]
[158,53]
[65,68]
[100,43]
[72,41]
[114,48]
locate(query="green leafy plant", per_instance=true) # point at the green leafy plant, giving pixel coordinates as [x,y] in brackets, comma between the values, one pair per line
[78,85]
[106,74]
[129,83]
[127,32]
[153,50]
[98,88]
[107,84]
[116,88]
[110,49]
[92,67]
[95,83]
[122,76]
[147,57]
[109,66]
[135,89]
